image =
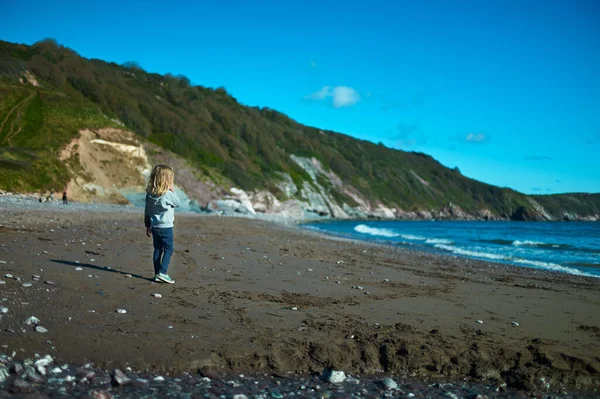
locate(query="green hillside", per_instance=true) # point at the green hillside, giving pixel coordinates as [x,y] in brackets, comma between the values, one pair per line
[219,136]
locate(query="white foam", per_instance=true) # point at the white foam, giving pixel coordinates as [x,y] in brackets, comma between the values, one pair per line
[413,237]
[374,231]
[438,241]
[461,251]
[526,243]
[535,263]
[553,266]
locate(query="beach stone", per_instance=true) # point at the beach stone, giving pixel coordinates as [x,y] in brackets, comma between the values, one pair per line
[32,320]
[50,282]
[333,376]
[41,329]
[21,386]
[27,285]
[121,311]
[102,381]
[42,363]
[78,269]
[240,396]
[8,275]
[33,377]
[17,368]
[160,378]
[100,394]
[119,378]
[2,282]
[86,374]
[389,383]
[3,309]
[157,295]
[140,382]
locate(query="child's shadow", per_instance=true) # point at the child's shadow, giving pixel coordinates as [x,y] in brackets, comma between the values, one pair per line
[99,268]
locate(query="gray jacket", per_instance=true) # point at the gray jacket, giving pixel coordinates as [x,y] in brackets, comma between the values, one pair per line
[160,211]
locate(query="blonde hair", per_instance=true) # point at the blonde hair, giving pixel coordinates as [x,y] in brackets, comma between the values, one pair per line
[161,180]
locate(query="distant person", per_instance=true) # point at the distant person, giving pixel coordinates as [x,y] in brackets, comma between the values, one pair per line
[65,202]
[51,196]
[159,215]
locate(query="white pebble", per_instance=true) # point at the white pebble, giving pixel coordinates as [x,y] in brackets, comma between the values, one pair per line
[479,321]
[121,311]
[3,310]
[78,269]
[157,295]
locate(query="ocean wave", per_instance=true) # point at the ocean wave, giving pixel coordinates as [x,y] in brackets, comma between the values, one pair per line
[554,267]
[466,252]
[438,241]
[528,243]
[523,262]
[374,231]
[413,237]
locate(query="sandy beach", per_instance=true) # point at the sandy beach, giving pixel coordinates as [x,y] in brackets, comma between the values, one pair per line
[254,296]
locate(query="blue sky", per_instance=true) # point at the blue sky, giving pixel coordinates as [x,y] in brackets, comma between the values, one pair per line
[507,91]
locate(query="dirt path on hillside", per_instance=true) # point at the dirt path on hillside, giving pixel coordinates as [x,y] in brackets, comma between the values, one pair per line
[19,109]
[252,297]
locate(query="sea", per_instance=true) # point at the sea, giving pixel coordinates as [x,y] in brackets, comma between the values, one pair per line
[566,247]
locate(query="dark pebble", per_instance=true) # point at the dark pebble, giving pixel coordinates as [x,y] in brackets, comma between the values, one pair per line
[101,381]
[100,394]
[17,369]
[21,386]
[36,379]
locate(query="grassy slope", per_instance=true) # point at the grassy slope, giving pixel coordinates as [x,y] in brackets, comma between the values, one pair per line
[35,124]
[217,134]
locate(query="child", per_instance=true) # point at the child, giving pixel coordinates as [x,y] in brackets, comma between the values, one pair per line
[158,218]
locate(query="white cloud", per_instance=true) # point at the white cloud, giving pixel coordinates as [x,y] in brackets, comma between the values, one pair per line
[475,137]
[342,96]
[320,95]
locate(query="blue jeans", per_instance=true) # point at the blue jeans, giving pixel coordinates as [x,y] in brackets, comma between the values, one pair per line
[163,248]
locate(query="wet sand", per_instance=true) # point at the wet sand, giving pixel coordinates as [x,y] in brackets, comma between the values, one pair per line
[253,296]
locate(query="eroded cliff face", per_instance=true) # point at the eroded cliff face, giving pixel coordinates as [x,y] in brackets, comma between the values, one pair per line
[103,163]
[113,165]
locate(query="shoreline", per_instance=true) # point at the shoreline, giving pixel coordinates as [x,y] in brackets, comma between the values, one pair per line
[28,202]
[239,279]
[32,199]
